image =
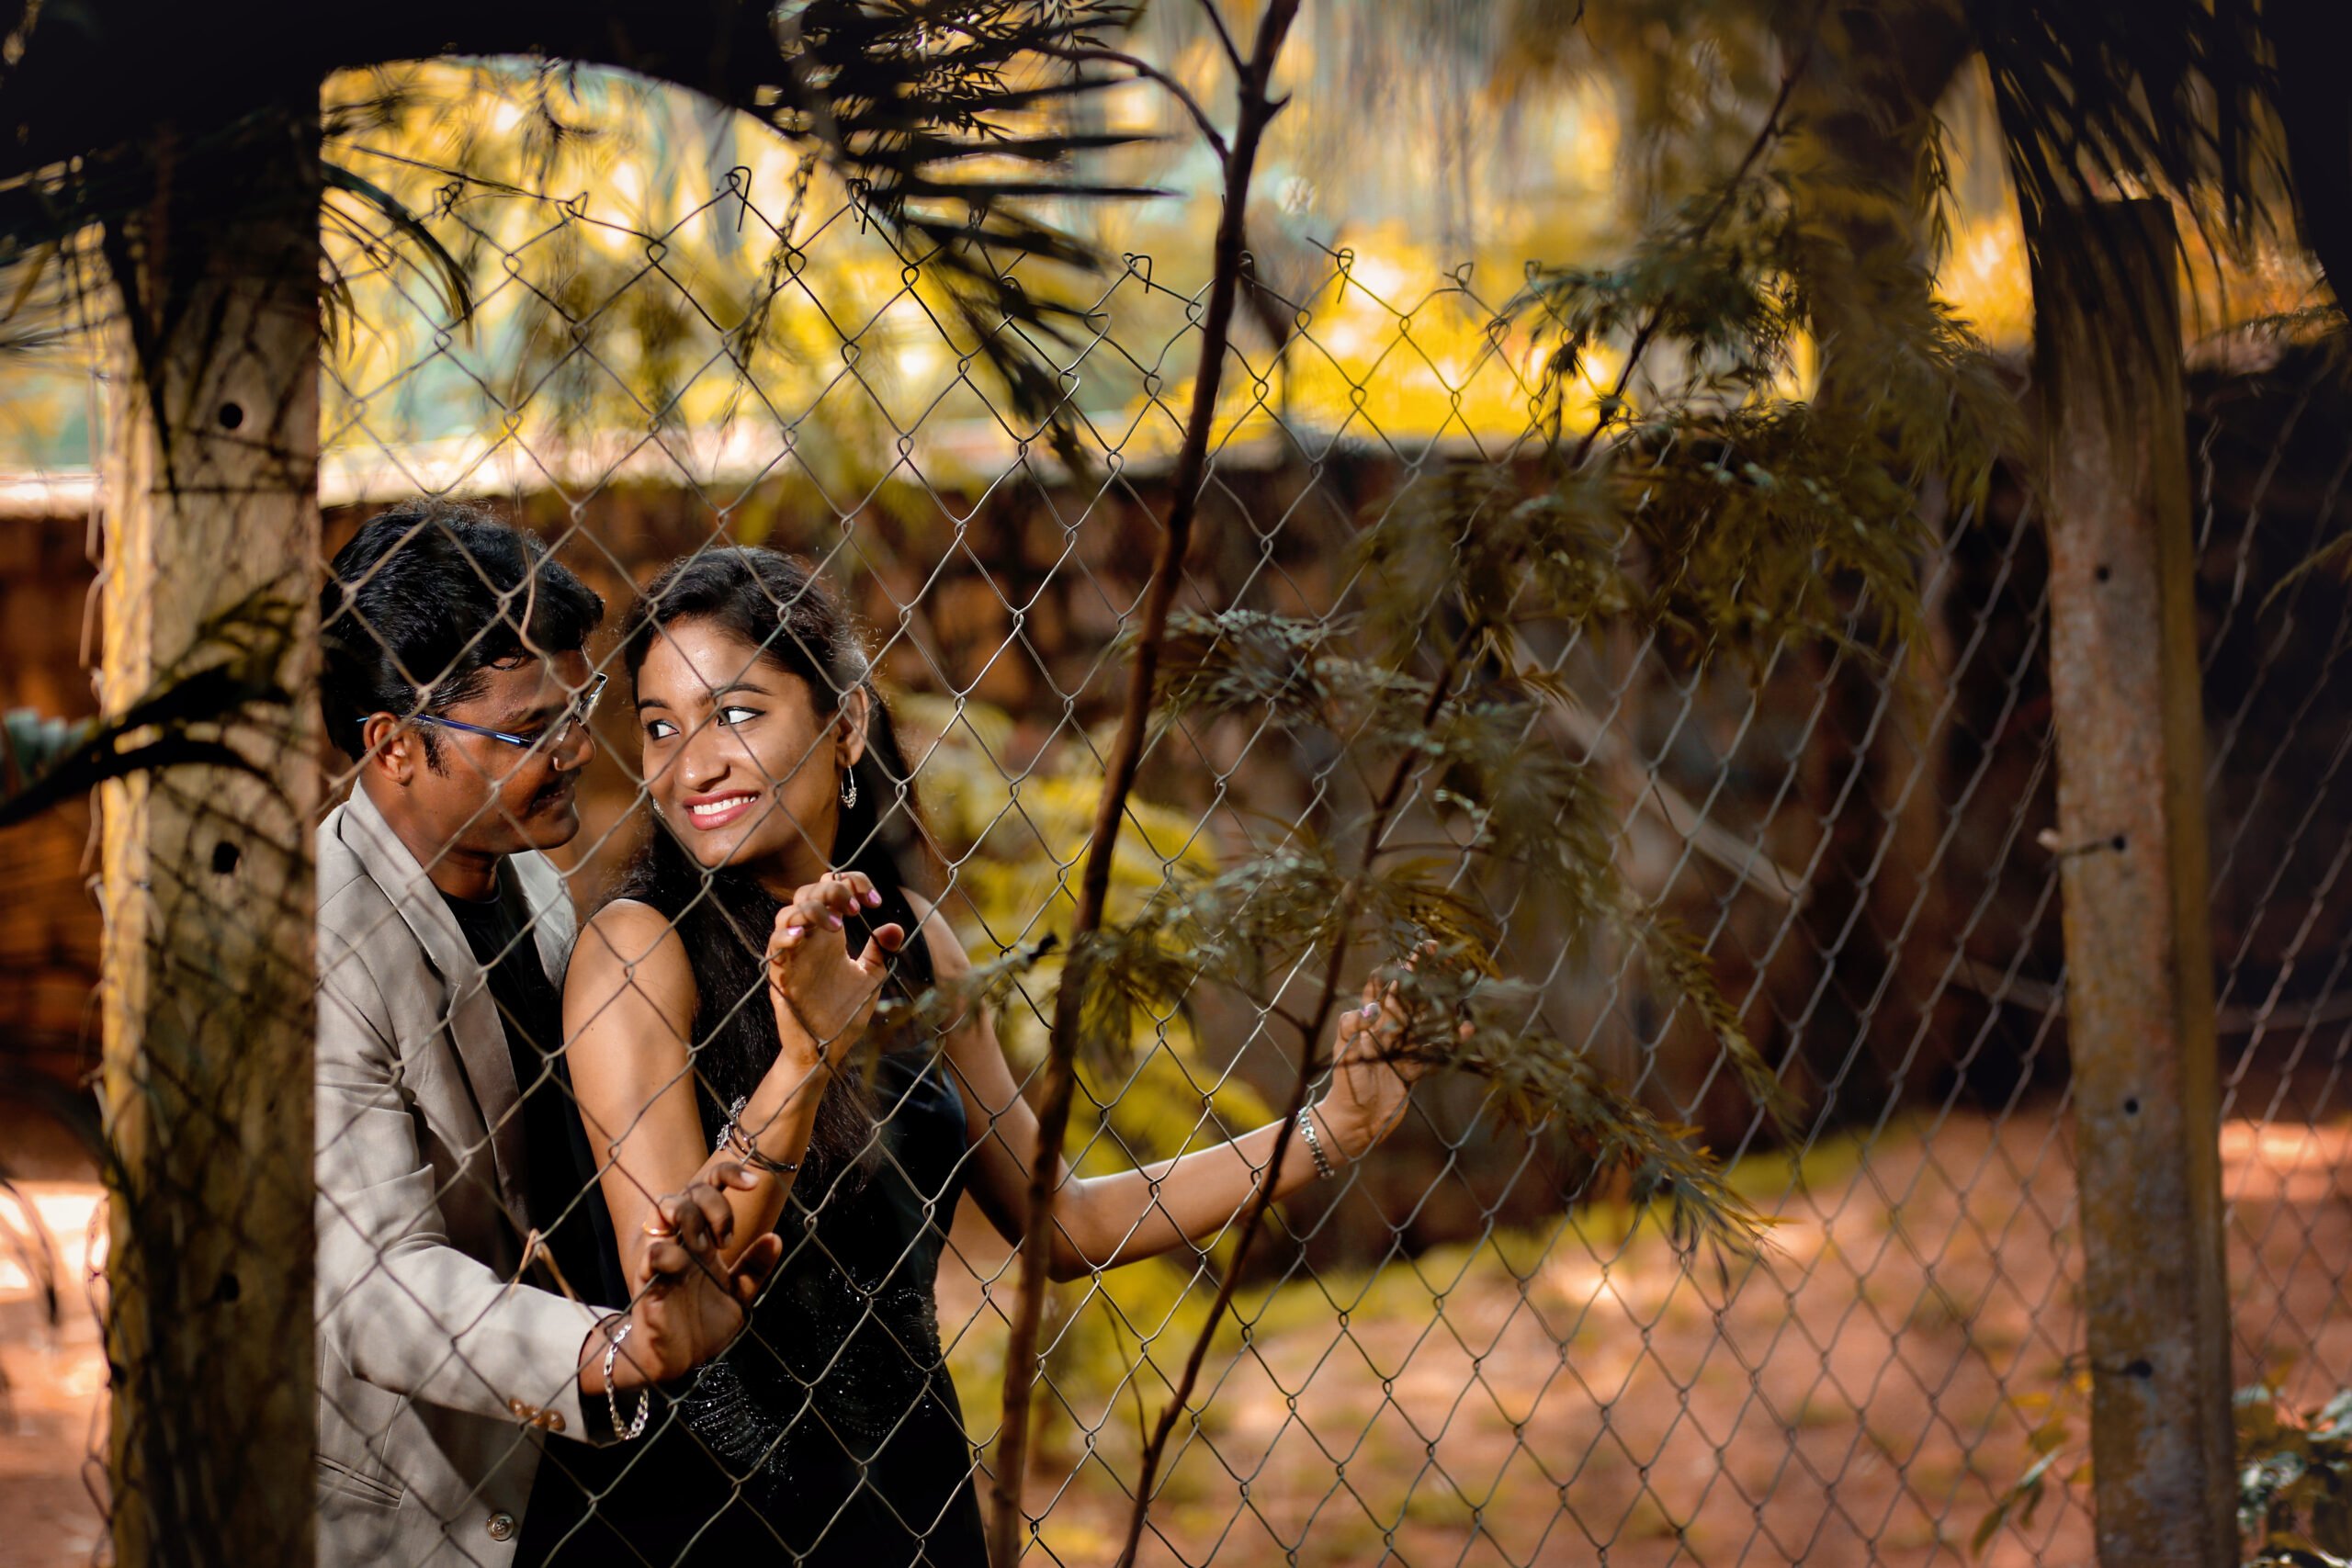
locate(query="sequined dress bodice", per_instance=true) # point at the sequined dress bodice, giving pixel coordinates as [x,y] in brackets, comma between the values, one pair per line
[830,1432]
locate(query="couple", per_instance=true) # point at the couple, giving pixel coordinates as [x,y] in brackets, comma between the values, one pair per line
[627,1239]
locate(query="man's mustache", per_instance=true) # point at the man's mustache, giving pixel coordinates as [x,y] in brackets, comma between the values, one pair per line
[555,792]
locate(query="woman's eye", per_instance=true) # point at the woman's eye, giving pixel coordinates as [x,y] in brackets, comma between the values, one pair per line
[734,715]
[659,729]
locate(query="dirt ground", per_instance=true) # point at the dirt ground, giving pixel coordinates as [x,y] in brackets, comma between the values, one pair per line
[52,1384]
[1863,1396]
[1860,1397]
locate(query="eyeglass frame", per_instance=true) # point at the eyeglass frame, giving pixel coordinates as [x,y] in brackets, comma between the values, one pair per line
[556,734]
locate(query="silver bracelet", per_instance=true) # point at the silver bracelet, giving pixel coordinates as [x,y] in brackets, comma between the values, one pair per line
[1315,1144]
[612,1400]
[733,1139]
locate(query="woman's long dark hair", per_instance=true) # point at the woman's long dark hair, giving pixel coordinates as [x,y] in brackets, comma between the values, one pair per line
[724,917]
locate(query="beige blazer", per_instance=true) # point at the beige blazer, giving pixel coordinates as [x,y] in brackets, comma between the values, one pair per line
[439,1379]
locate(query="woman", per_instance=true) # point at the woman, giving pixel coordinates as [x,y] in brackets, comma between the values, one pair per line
[723,1004]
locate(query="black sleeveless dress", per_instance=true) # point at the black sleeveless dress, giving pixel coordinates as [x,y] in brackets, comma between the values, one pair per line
[830,1433]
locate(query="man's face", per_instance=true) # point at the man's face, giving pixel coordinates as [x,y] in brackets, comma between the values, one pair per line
[488,796]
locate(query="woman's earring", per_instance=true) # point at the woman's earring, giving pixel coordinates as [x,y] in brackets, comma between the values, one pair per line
[849,787]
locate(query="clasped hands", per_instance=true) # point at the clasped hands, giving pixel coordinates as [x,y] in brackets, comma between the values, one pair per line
[689,1298]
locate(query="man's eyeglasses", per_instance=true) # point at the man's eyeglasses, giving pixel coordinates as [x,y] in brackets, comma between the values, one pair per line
[572,720]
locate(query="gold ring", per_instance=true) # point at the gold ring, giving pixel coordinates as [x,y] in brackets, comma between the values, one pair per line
[660,1233]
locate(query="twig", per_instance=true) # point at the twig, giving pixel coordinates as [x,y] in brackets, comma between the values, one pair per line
[1253,1217]
[1145,70]
[1060,1071]
[1749,863]
[1765,135]
[1224,35]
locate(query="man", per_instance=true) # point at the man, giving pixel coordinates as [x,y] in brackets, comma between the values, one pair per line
[459,1222]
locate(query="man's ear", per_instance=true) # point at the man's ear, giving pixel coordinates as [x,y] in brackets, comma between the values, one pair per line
[395,751]
[849,732]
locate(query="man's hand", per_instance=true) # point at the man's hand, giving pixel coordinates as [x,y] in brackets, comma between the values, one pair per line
[691,1300]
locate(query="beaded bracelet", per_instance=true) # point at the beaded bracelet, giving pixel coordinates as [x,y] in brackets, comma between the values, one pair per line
[1315,1144]
[636,1427]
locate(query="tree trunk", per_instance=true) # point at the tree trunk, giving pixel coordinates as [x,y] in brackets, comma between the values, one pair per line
[2126,691]
[211,541]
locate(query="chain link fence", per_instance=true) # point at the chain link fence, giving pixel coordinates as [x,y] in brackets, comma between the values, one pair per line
[1472,1345]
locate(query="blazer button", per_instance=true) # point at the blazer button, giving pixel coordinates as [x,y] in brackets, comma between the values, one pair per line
[499,1526]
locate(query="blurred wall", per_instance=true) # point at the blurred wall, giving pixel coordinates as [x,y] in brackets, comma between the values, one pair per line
[48,923]
[1889,985]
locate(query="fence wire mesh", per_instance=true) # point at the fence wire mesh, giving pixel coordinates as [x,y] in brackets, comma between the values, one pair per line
[1470,1347]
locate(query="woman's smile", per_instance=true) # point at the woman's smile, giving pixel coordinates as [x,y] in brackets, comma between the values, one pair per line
[715,811]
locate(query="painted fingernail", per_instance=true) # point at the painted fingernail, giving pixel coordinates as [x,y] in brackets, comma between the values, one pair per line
[873,899]
[834,921]
[1370,1010]
[792,930]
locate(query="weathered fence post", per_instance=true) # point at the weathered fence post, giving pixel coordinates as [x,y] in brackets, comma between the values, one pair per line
[2124,679]
[212,536]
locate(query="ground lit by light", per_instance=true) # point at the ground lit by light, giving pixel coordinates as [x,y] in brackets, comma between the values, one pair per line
[1792,1359]
[52,1376]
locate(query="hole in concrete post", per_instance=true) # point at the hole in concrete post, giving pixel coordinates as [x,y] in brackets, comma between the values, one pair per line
[2103,572]
[225,857]
[2132,1106]
[231,415]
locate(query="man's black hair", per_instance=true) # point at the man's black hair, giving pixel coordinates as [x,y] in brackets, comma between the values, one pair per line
[424,599]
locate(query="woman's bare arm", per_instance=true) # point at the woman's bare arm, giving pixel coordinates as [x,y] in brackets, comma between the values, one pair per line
[629,1008]
[1102,1222]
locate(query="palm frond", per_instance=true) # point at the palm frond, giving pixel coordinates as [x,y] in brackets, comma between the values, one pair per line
[2103,97]
[229,674]
[943,120]
[456,293]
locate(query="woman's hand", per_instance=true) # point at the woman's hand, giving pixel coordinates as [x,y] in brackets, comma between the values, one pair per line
[1370,1085]
[823,996]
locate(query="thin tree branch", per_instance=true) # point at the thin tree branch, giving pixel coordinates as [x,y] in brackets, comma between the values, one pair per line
[1254,1216]
[1225,36]
[1005,1520]
[1145,70]
[1749,863]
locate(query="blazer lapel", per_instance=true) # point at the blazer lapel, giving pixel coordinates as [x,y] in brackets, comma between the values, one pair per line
[551,908]
[474,1024]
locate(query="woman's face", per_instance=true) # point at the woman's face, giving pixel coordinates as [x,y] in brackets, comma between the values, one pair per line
[738,759]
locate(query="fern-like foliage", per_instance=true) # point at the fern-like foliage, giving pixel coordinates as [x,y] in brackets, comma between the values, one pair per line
[1687,479]
[1517,811]
[1740,513]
